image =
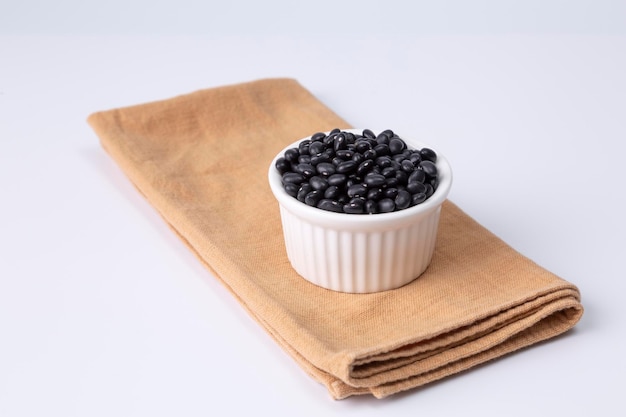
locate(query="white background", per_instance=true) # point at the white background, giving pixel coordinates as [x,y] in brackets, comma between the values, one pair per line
[104,312]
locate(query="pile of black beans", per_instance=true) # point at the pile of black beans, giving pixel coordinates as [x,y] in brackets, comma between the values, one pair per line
[364,173]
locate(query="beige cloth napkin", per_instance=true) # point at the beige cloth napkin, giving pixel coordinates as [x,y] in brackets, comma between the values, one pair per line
[201,160]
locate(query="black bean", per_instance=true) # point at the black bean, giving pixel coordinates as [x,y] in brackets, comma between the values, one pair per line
[330,205]
[362,146]
[428,154]
[292,155]
[303,191]
[386,205]
[316,148]
[318,183]
[396,145]
[402,200]
[398,158]
[429,168]
[344,154]
[340,142]
[402,177]
[346,167]
[364,167]
[332,192]
[317,159]
[337,179]
[292,189]
[374,180]
[357,190]
[358,157]
[416,187]
[383,161]
[318,136]
[382,138]
[307,170]
[391,182]
[369,134]
[418,198]
[415,158]
[304,159]
[407,166]
[326,169]
[417,176]
[429,190]
[353,208]
[390,192]
[292,177]
[370,154]
[303,147]
[434,182]
[282,165]
[388,172]
[374,194]
[350,138]
[313,197]
[370,207]
[382,149]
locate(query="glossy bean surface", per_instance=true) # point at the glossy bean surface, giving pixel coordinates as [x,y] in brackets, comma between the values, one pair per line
[364,173]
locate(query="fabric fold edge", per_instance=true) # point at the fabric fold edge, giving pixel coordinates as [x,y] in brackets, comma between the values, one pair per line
[549,321]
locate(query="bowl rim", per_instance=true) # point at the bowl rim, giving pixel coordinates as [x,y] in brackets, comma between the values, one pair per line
[323,216]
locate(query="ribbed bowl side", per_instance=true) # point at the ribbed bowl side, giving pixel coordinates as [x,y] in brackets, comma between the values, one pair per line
[359,261]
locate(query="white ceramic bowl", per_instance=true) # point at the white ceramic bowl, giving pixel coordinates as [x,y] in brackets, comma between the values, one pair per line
[360,253]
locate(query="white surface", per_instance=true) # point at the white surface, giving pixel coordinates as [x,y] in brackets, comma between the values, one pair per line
[103,311]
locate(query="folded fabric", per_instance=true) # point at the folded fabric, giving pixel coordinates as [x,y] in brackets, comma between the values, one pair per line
[201,160]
